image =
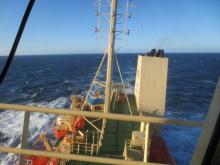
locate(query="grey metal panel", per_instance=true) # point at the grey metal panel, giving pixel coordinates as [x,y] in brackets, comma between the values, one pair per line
[208,128]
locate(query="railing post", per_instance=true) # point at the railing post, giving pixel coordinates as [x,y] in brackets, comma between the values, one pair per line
[78,149]
[86,141]
[72,143]
[24,137]
[142,127]
[97,143]
[125,151]
[146,143]
[207,151]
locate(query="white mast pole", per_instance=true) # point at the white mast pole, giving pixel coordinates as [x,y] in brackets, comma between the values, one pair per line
[111,48]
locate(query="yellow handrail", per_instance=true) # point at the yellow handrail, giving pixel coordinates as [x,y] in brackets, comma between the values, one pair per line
[110,116]
[121,117]
[93,159]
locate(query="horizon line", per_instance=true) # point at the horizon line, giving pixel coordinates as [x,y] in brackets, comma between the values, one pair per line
[50,54]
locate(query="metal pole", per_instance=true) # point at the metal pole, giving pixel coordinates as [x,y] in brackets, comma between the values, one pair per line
[111,47]
[207,149]
[92,159]
[24,137]
[110,116]
[146,143]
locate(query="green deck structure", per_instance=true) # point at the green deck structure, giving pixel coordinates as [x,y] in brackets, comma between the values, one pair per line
[116,132]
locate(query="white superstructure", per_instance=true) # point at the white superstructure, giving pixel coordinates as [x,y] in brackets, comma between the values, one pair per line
[151,84]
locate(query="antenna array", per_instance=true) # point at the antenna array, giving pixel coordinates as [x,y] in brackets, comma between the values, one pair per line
[123,14]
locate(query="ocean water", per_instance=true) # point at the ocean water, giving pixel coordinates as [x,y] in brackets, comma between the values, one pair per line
[49,80]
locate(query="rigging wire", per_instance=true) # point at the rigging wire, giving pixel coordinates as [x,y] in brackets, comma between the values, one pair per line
[123,85]
[97,72]
[141,18]
[17,40]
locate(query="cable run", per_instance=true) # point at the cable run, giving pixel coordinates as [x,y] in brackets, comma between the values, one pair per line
[119,71]
[17,40]
[97,72]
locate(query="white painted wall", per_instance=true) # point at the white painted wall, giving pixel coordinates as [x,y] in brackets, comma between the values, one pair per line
[151,84]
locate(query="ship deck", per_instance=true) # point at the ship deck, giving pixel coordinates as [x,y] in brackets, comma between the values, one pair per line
[116,132]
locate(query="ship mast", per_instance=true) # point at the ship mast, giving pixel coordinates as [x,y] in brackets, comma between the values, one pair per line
[111,51]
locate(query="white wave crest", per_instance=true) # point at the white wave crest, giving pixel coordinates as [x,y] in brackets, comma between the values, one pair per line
[12,122]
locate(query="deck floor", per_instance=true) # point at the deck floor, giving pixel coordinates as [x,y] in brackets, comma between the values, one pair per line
[116,132]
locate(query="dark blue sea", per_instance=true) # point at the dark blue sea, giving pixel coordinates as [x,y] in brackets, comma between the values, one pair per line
[49,80]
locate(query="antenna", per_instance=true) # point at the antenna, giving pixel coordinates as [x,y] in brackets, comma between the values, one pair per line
[116,14]
[123,15]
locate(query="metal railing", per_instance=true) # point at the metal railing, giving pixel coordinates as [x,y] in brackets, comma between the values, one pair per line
[110,116]
[93,159]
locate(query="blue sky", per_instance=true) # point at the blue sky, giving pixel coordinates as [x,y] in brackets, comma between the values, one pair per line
[67,26]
